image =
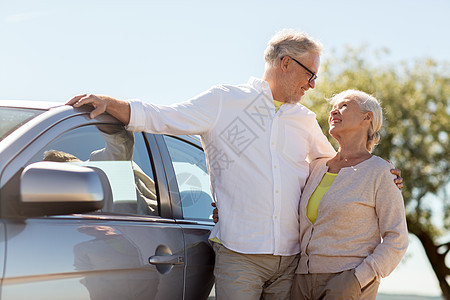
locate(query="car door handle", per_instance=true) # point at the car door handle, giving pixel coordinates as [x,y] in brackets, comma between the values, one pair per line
[166,260]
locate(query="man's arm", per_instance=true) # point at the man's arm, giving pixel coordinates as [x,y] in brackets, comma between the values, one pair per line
[215,212]
[398,180]
[118,108]
[195,116]
[320,147]
[119,144]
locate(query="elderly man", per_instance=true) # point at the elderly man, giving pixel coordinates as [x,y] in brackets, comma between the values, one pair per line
[265,139]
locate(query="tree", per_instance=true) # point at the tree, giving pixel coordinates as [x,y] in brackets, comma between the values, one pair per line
[415,137]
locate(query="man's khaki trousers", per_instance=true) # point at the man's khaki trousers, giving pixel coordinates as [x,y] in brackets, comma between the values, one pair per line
[252,276]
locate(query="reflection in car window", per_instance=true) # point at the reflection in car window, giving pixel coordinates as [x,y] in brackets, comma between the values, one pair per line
[112,149]
[192,177]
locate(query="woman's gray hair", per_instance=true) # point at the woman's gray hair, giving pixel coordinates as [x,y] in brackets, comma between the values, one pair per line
[292,43]
[367,103]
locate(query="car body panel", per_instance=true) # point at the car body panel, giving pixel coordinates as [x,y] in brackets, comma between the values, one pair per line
[108,257]
[97,255]
[198,265]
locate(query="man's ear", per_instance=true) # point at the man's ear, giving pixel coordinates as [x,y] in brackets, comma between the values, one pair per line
[285,61]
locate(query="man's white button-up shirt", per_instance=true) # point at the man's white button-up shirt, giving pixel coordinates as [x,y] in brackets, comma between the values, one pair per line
[257,159]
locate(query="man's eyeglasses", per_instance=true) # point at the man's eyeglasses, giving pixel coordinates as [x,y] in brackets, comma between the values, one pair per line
[313,75]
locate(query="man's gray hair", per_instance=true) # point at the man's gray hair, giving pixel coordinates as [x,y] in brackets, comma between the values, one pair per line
[292,43]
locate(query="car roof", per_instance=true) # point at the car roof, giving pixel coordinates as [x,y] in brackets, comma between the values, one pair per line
[30,104]
[47,105]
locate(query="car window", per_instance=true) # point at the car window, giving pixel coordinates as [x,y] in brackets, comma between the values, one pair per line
[121,154]
[12,118]
[191,172]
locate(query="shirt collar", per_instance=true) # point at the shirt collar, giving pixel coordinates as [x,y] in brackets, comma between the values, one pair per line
[260,85]
[263,87]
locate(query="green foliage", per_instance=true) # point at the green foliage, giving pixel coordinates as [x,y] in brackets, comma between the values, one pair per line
[415,136]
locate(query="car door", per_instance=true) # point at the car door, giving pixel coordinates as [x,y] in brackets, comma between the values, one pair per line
[131,249]
[189,186]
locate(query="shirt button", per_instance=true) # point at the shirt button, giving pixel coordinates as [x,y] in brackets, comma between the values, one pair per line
[276,217]
[275,166]
[276,192]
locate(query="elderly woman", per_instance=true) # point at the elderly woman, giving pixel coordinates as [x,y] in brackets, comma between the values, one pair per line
[352,217]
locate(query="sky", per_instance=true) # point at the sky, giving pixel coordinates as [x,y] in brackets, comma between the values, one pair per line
[168,51]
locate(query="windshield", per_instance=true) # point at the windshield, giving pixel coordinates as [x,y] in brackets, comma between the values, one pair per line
[12,118]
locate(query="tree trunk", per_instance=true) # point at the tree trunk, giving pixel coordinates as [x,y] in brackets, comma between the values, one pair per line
[437,260]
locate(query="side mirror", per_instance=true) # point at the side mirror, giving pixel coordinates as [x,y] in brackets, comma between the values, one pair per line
[52,188]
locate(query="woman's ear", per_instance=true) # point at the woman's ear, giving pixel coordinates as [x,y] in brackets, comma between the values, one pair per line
[368,116]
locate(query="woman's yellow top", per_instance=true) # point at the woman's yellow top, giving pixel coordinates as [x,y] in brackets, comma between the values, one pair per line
[314,200]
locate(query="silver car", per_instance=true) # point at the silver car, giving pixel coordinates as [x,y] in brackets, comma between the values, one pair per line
[89,210]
